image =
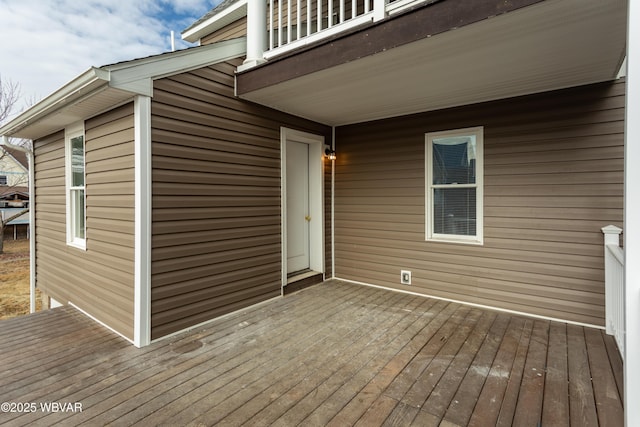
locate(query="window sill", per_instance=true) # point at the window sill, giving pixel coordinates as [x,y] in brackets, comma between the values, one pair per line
[455,241]
[82,245]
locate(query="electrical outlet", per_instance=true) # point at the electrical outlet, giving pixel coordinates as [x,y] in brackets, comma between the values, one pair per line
[405,277]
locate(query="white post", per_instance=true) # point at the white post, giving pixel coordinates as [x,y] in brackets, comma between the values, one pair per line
[256,33]
[611,237]
[631,223]
[378,9]
[142,228]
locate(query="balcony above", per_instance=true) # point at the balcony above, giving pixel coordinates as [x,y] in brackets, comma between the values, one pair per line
[423,56]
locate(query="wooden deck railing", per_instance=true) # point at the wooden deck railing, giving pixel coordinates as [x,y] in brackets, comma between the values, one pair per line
[614,284]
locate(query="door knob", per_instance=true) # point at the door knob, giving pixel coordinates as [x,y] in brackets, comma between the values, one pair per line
[308,218]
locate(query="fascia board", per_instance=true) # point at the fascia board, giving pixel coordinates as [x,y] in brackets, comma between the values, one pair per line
[225,17]
[136,76]
[76,89]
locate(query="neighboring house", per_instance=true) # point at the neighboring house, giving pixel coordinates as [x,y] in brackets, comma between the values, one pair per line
[478,153]
[14,197]
[14,190]
[14,169]
[14,200]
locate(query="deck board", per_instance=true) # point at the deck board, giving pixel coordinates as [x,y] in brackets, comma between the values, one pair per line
[555,408]
[608,407]
[334,354]
[529,407]
[581,399]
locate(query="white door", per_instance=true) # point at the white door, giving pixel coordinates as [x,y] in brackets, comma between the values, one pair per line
[298,216]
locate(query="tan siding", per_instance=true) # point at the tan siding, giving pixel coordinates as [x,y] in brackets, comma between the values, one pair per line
[99,280]
[553,178]
[231,31]
[216,198]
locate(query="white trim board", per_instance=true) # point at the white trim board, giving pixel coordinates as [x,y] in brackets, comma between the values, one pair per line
[136,76]
[142,251]
[631,224]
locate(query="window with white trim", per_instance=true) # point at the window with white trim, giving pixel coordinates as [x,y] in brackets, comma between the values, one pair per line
[75,185]
[4,180]
[454,185]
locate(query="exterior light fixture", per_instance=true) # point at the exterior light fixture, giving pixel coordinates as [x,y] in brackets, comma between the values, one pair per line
[330,154]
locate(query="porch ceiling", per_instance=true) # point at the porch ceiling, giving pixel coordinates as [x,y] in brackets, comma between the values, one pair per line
[549,45]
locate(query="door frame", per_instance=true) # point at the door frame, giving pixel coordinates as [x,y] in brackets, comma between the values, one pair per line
[316,197]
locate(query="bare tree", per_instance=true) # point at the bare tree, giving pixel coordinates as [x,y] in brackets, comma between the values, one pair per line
[9,97]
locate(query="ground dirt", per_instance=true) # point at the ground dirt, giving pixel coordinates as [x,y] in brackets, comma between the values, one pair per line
[14,279]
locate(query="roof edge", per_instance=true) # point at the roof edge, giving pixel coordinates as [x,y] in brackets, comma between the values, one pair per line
[136,76]
[207,25]
[113,84]
[67,94]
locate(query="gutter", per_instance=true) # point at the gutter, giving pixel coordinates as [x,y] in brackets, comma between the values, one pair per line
[32,221]
[66,95]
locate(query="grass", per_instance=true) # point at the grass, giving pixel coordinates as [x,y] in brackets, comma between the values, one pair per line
[14,279]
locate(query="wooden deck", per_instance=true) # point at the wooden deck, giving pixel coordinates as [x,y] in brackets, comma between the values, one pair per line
[334,354]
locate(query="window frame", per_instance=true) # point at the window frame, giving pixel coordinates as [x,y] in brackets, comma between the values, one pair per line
[72,132]
[430,235]
[4,180]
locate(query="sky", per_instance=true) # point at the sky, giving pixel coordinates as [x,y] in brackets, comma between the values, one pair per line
[44,44]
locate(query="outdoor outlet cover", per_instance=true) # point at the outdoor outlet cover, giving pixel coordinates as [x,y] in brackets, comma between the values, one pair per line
[405,277]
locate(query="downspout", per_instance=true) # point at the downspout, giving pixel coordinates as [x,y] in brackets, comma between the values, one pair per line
[32,221]
[333,205]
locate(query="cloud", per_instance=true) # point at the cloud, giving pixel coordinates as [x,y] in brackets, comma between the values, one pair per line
[46,43]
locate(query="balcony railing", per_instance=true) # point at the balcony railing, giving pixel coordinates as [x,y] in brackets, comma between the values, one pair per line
[294,23]
[278,26]
[614,285]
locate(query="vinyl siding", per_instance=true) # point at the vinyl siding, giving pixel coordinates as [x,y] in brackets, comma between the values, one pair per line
[99,280]
[234,30]
[216,198]
[553,178]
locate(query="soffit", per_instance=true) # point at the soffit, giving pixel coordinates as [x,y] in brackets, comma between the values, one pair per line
[550,45]
[97,102]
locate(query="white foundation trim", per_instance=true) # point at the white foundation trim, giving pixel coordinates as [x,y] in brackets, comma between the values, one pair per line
[487,307]
[216,319]
[100,322]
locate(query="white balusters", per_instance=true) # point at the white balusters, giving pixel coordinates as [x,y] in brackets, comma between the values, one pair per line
[614,284]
